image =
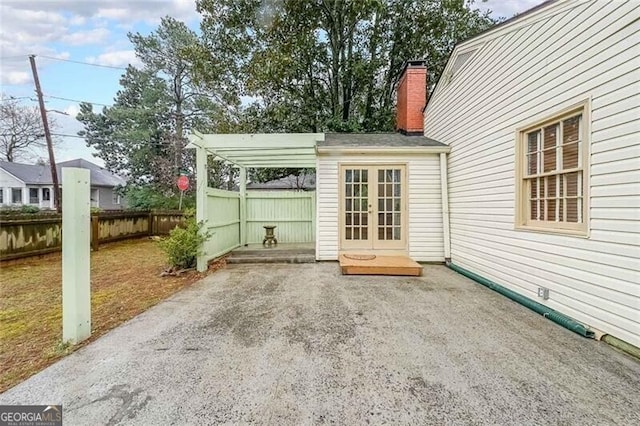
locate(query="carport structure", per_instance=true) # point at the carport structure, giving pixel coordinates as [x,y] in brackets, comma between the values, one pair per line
[236,218]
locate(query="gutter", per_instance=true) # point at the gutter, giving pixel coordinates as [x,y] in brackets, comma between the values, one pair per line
[555,316]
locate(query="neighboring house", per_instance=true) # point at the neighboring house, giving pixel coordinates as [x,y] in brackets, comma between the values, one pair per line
[27,184]
[542,114]
[302,182]
[523,168]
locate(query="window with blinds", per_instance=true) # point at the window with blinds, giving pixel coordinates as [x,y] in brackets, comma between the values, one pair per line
[552,174]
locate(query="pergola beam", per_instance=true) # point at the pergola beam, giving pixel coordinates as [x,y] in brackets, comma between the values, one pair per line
[270,150]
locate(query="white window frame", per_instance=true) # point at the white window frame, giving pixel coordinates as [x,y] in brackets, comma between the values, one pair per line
[522,188]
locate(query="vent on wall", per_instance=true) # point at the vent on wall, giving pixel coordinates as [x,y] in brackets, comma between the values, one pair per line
[458,62]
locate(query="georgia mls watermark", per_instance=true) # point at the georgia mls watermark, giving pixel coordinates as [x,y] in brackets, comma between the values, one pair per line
[30,415]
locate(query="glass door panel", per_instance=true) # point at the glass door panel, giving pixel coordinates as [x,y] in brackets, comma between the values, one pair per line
[356,230]
[390,219]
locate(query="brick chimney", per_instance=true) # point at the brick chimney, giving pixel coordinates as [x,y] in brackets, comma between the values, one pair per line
[412,98]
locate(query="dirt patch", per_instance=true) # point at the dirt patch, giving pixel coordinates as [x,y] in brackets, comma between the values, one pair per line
[125,281]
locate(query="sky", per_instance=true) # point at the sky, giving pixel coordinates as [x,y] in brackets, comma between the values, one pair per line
[95,32]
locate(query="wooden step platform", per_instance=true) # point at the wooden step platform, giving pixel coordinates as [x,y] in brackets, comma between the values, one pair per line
[361,264]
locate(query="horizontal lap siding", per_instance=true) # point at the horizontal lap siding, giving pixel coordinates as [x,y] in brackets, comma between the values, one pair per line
[425,207]
[584,50]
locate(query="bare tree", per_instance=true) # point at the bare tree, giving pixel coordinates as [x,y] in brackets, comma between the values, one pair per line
[21,132]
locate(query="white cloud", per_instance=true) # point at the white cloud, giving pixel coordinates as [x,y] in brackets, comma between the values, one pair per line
[72,110]
[509,8]
[40,27]
[15,77]
[117,58]
[80,38]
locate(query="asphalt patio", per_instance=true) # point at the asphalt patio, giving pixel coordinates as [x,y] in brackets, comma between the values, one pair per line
[301,344]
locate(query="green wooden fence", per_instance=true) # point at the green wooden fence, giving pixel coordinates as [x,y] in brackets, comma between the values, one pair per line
[293,213]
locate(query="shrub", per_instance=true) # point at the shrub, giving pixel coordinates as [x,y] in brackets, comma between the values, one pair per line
[150,198]
[29,209]
[184,244]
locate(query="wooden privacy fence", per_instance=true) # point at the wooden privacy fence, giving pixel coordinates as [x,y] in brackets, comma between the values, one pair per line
[293,213]
[22,235]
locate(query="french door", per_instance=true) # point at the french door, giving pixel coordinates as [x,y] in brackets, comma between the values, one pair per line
[373,207]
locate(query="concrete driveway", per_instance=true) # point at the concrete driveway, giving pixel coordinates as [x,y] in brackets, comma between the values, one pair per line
[301,344]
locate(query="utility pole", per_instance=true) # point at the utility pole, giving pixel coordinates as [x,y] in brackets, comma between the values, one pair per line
[47,135]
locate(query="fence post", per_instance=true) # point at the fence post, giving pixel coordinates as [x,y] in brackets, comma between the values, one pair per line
[76,274]
[152,230]
[95,232]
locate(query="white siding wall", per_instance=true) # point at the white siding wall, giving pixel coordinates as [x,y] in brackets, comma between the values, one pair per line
[581,50]
[7,182]
[424,201]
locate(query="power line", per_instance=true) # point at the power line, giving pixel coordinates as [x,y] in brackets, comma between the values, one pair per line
[76,100]
[83,63]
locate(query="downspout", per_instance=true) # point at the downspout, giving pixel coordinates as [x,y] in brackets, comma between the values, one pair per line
[444,188]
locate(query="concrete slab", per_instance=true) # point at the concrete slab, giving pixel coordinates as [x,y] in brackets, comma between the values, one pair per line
[302,344]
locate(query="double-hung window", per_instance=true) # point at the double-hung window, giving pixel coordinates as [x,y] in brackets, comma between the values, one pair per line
[551,185]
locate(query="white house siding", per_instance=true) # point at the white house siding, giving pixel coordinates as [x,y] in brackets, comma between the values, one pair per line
[555,58]
[424,203]
[7,183]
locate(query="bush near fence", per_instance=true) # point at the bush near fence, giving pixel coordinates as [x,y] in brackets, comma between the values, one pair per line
[23,235]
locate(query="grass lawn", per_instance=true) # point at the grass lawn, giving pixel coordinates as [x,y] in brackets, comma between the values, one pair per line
[125,281]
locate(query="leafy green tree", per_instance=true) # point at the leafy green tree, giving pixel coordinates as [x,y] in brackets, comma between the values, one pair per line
[327,65]
[143,135]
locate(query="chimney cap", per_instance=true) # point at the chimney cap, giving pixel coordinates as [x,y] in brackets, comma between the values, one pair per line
[414,63]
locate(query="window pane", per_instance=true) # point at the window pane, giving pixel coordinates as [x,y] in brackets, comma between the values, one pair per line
[348,219]
[549,156]
[532,162]
[571,129]
[396,233]
[380,175]
[364,234]
[570,155]
[46,194]
[572,184]
[356,219]
[550,136]
[347,234]
[348,176]
[16,196]
[396,175]
[348,190]
[572,210]
[33,196]
[532,141]
[534,209]
[534,188]
[551,210]
[365,176]
[356,175]
[389,232]
[551,186]
[364,219]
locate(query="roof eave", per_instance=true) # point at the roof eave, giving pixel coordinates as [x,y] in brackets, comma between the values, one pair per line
[373,150]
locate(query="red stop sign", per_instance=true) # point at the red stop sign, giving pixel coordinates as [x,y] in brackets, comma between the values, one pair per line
[183,183]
